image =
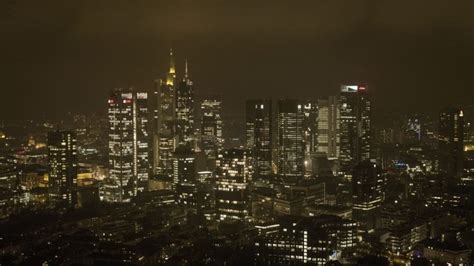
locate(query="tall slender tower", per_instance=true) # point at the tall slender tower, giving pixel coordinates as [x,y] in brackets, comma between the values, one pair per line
[328,127]
[259,135]
[171,75]
[128,144]
[451,142]
[211,127]
[62,157]
[291,147]
[355,122]
[310,133]
[164,105]
[185,111]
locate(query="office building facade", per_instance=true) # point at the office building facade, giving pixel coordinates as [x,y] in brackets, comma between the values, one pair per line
[355,126]
[259,137]
[62,162]
[291,145]
[128,142]
[211,127]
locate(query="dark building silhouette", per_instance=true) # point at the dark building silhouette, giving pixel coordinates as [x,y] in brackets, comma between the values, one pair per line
[367,193]
[185,111]
[310,133]
[259,135]
[355,126]
[184,167]
[451,142]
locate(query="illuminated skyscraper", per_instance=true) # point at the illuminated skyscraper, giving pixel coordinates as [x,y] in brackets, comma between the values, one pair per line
[128,143]
[310,135]
[164,119]
[259,135]
[367,192]
[355,123]
[232,195]
[451,142]
[291,146]
[185,111]
[62,157]
[184,169]
[328,127]
[184,176]
[211,127]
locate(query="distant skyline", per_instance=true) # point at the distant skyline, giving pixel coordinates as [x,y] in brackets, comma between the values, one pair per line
[59,58]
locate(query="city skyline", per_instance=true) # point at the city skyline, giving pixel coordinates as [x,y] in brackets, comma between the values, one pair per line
[237,133]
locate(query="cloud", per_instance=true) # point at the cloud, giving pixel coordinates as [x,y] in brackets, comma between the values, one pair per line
[57,49]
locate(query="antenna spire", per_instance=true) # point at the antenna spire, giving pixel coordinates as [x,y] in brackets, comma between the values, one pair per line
[170,77]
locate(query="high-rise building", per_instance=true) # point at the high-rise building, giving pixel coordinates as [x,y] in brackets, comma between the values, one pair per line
[62,157]
[451,142]
[367,193]
[184,177]
[259,135]
[184,168]
[328,127]
[164,119]
[310,133]
[355,126]
[211,127]
[185,111]
[128,143]
[291,146]
[232,195]
[310,124]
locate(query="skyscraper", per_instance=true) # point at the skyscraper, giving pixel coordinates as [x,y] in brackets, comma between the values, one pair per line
[184,169]
[367,192]
[328,127]
[185,111]
[355,123]
[211,127]
[128,142]
[184,177]
[232,195]
[259,135]
[164,119]
[62,157]
[291,146]
[451,142]
[310,135]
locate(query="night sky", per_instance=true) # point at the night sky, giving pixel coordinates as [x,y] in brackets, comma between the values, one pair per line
[64,56]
